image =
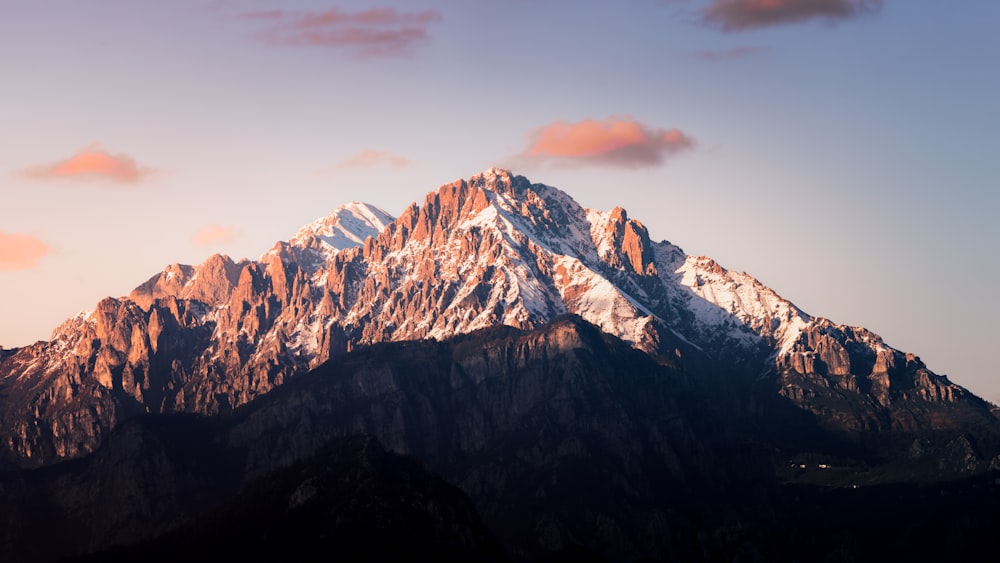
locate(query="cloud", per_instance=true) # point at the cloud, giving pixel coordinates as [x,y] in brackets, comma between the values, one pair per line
[370,158]
[731,54]
[615,142]
[739,15]
[214,235]
[378,32]
[20,252]
[92,163]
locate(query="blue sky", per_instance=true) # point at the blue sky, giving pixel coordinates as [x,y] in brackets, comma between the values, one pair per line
[842,152]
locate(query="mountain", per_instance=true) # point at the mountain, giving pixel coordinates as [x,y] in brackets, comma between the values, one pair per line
[489,251]
[566,442]
[592,392]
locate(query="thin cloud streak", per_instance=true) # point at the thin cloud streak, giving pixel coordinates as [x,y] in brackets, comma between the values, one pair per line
[210,235]
[20,252]
[740,15]
[378,32]
[92,163]
[614,142]
[370,158]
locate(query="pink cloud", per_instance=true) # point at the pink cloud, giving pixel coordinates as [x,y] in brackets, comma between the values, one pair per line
[20,252]
[731,54]
[214,234]
[370,158]
[93,163]
[612,142]
[738,15]
[378,32]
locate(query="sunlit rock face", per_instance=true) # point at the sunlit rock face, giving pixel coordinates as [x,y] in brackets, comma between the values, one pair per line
[491,250]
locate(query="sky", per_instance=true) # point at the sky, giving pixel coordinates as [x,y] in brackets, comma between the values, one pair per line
[844,152]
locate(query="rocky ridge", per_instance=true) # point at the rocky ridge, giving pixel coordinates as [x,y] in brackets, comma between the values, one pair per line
[488,251]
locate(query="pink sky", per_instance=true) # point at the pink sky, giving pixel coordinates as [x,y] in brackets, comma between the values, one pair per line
[827,147]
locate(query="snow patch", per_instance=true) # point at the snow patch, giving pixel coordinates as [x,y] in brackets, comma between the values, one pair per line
[346,227]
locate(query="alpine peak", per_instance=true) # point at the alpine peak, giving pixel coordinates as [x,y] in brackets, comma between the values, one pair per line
[494,179]
[345,227]
[492,250]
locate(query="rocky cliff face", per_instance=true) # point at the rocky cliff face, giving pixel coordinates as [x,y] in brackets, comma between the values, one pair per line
[885,389]
[191,339]
[489,251]
[563,439]
[556,434]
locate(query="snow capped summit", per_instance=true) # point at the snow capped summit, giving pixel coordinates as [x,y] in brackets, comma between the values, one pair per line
[498,249]
[492,250]
[347,226]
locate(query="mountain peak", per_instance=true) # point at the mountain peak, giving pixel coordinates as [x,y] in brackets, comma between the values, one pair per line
[494,249]
[345,227]
[499,180]
[494,174]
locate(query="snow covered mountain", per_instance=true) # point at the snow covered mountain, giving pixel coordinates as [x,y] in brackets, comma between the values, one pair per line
[492,250]
[348,226]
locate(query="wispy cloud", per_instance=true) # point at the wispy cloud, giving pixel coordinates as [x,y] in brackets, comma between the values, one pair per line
[731,54]
[615,142]
[370,158]
[739,15]
[20,252]
[378,32]
[210,235]
[92,163]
